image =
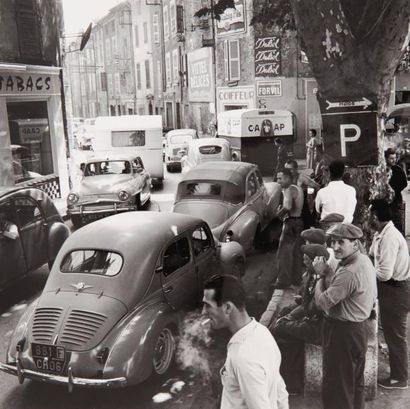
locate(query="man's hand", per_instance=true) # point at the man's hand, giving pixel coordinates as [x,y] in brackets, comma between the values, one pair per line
[320,266]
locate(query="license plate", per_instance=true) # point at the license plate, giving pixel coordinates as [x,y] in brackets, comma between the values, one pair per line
[48,358]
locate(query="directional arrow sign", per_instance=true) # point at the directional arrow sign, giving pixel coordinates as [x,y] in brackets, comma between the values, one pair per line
[364,102]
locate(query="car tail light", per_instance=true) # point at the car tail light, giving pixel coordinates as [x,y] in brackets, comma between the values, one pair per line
[103,355]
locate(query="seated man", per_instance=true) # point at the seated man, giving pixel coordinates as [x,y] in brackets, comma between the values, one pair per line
[301,325]
[127,168]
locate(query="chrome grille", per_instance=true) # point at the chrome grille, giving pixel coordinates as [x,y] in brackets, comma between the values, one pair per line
[45,322]
[81,326]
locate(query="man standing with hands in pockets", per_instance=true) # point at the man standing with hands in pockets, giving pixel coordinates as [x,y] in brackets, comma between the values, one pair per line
[347,304]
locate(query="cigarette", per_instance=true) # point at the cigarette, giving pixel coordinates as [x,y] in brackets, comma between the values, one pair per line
[206,322]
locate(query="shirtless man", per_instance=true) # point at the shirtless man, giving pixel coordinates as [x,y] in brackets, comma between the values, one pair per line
[289,252]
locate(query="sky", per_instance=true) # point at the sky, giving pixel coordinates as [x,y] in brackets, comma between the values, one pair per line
[79,13]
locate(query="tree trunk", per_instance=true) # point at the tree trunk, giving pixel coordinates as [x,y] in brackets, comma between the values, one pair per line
[354,48]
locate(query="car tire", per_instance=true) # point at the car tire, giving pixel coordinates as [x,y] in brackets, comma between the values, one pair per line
[238,268]
[164,351]
[138,201]
[169,168]
[77,221]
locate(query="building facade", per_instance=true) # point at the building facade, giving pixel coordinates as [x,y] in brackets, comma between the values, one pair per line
[32,142]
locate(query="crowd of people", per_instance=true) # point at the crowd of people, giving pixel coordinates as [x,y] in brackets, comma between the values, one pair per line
[338,282]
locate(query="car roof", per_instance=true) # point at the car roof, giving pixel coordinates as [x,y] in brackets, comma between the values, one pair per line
[208,141]
[187,131]
[230,171]
[123,232]
[111,157]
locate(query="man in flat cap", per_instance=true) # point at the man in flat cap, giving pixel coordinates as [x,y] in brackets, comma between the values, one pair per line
[330,219]
[300,324]
[347,303]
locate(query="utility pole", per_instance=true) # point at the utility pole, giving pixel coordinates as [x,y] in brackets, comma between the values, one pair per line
[214,56]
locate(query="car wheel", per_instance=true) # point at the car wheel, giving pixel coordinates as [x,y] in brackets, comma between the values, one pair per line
[77,221]
[238,268]
[169,168]
[138,202]
[164,351]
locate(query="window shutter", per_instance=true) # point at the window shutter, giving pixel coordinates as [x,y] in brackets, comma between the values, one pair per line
[28,29]
[226,60]
[156,28]
[234,60]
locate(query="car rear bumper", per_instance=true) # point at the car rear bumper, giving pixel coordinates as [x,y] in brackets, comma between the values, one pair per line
[70,380]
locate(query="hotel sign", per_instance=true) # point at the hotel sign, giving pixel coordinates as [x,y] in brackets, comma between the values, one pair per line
[200,76]
[233,20]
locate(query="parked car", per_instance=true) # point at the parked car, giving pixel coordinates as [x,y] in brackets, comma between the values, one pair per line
[177,140]
[233,199]
[204,150]
[109,186]
[31,232]
[110,310]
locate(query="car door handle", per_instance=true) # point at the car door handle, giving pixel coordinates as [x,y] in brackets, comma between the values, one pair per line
[168,290]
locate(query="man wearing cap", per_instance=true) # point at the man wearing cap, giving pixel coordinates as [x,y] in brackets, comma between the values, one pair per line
[301,324]
[347,303]
[391,257]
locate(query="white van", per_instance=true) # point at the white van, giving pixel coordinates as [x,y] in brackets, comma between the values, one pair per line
[139,135]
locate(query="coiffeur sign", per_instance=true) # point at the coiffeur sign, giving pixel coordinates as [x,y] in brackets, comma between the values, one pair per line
[27,84]
[200,75]
[267,57]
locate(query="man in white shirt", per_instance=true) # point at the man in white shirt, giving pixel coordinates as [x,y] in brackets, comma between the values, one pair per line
[391,258]
[250,375]
[337,196]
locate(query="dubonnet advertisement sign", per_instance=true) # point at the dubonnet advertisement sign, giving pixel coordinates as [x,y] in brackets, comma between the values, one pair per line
[267,56]
[200,75]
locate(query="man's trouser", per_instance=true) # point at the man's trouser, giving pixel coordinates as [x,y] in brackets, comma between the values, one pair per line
[289,252]
[344,356]
[394,304]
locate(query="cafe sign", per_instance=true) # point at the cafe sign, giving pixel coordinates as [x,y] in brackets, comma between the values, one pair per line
[267,56]
[233,20]
[28,84]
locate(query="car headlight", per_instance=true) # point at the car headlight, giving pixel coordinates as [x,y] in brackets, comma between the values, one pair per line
[123,195]
[72,198]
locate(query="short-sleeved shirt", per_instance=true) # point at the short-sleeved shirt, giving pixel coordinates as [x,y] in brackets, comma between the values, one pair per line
[250,375]
[352,292]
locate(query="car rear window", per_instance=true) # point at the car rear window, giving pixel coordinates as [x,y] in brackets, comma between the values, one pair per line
[210,149]
[98,262]
[228,192]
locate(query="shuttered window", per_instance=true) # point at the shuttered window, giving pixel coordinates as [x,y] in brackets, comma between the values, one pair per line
[155,28]
[232,60]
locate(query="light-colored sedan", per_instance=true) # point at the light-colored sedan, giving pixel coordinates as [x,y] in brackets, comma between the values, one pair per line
[110,311]
[205,150]
[109,186]
[232,197]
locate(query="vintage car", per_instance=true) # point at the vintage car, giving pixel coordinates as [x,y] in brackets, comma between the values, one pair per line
[110,310]
[31,232]
[232,197]
[109,186]
[177,140]
[204,150]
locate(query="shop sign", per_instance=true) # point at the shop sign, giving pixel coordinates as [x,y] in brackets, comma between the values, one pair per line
[200,75]
[269,89]
[267,56]
[233,20]
[243,96]
[27,84]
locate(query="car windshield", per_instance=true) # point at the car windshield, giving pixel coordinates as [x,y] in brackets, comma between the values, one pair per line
[99,262]
[114,167]
[179,139]
[219,190]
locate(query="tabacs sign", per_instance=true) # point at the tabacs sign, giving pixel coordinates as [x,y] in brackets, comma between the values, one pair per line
[267,56]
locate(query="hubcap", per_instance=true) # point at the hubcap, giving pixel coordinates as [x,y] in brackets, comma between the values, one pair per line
[164,351]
